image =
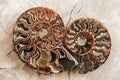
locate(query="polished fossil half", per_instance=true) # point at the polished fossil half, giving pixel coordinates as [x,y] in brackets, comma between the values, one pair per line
[37,33]
[89,42]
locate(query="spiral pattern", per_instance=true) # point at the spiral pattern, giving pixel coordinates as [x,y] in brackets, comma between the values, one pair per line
[36,33]
[41,41]
[89,42]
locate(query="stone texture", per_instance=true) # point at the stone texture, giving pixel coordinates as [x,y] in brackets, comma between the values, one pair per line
[106,11]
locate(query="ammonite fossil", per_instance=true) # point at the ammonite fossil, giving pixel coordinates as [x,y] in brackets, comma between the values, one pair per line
[89,42]
[37,33]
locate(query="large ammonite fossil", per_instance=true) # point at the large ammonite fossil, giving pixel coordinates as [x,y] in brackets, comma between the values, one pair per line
[37,33]
[89,42]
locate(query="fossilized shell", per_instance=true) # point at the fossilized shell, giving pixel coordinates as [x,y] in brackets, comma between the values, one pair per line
[49,61]
[36,33]
[89,42]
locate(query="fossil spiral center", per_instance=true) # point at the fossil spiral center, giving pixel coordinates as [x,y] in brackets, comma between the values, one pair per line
[42,30]
[85,41]
[81,41]
[42,33]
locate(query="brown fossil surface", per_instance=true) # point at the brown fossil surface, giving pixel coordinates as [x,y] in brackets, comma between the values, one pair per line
[37,33]
[89,42]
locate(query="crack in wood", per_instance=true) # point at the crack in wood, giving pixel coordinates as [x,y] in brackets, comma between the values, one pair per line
[72,12]
[6,68]
[73,8]
[69,20]
[79,9]
[10,52]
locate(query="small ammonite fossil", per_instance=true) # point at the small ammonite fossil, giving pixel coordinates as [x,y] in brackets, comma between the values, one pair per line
[89,42]
[37,32]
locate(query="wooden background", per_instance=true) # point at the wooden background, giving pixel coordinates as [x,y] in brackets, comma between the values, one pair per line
[106,11]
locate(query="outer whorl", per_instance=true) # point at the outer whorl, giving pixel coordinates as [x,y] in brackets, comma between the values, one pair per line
[36,32]
[89,42]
